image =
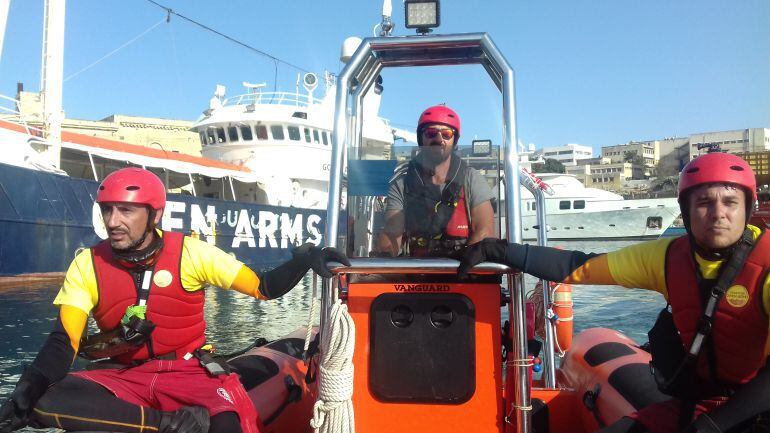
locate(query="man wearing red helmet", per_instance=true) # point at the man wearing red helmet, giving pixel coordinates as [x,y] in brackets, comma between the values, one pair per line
[436,201]
[710,345]
[144,288]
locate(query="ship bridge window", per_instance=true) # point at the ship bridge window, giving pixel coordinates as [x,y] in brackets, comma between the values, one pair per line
[315,136]
[277,132]
[221,135]
[203,138]
[261,132]
[307,135]
[246,133]
[564,204]
[579,204]
[211,136]
[293,133]
[232,133]
[323,136]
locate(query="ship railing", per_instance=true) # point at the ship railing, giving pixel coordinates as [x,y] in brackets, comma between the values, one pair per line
[271,98]
[9,113]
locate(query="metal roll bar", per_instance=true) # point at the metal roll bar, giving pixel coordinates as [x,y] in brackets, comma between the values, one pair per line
[357,77]
[420,266]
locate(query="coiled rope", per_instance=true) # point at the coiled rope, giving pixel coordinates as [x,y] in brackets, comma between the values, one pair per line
[333,411]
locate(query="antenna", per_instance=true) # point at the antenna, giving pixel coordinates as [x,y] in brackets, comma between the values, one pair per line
[386,26]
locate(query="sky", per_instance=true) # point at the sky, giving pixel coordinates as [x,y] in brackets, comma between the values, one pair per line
[592,72]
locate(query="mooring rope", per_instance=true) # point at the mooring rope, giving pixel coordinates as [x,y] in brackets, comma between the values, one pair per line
[309,333]
[333,411]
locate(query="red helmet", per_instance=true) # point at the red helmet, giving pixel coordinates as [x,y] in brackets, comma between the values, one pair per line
[133,185]
[718,167]
[439,114]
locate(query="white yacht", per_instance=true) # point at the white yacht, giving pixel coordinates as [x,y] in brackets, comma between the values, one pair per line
[285,137]
[576,212]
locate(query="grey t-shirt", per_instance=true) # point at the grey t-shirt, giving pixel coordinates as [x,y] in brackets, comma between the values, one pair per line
[476,189]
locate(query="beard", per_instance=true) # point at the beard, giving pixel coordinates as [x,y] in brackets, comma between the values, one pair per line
[432,155]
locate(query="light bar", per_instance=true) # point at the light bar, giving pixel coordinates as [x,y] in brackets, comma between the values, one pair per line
[422,15]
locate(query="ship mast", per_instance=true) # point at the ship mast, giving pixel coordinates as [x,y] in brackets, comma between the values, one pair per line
[52,77]
[4,6]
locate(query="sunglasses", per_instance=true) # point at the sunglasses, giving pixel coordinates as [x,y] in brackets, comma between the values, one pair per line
[446,134]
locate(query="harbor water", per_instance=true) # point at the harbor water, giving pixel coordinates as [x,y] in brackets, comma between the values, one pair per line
[235,321]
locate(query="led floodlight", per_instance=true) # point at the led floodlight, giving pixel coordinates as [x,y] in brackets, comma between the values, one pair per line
[422,15]
[481,147]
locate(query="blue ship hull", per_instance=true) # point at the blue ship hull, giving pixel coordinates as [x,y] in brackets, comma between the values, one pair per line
[46,218]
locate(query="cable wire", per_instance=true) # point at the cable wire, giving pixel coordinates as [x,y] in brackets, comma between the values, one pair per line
[170,11]
[134,39]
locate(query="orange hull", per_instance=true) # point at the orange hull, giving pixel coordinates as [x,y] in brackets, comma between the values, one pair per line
[274,377]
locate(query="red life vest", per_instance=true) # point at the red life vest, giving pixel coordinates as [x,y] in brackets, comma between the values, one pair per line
[178,314]
[740,325]
[458,222]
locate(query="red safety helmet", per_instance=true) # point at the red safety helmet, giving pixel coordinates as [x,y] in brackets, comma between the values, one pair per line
[718,167]
[133,185]
[439,114]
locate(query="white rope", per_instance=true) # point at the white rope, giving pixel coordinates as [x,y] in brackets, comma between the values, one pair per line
[333,411]
[310,317]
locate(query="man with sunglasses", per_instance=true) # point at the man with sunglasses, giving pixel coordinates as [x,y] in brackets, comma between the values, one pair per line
[436,203]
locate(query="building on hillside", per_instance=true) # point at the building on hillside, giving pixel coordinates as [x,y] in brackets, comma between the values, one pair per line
[644,153]
[750,140]
[568,155]
[165,134]
[604,174]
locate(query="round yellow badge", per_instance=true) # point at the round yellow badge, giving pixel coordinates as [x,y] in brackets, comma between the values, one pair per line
[162,278]
[737,296]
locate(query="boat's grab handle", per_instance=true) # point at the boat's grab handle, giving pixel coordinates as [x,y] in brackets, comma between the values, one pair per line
[398,265]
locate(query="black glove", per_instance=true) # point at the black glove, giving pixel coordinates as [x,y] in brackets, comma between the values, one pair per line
[488,250]
[14,413]
[318,258]
[703,424]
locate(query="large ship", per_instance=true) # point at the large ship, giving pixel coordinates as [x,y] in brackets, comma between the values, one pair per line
[47,214]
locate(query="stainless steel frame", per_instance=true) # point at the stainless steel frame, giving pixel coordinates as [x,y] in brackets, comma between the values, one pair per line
[355,80]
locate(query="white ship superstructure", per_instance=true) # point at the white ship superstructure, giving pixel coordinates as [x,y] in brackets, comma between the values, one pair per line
[576,212]
[285,137]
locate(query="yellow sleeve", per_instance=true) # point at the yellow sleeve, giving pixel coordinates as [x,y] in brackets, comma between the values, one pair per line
[641,265]
[79,289]
[203,263]
[247,282]
[594,271]
[74,321]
